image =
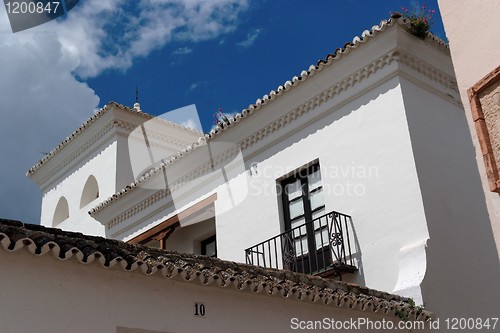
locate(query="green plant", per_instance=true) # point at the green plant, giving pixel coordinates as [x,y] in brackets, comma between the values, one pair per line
[420,309]
[404,316]
[420,18]
[401,315]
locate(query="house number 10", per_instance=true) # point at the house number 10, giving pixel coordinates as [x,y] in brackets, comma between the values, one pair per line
[199,309]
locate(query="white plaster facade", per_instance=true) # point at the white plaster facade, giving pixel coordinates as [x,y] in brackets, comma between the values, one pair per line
[385,123]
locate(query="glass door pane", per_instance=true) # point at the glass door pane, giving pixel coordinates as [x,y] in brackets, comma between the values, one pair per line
[302,203]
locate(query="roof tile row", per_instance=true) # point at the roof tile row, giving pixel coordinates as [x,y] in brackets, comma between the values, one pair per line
[39,240]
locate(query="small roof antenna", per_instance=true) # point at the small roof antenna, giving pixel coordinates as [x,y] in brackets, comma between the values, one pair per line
[137,106]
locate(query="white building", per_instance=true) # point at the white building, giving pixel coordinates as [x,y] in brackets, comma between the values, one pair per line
[92,164]
[374,133]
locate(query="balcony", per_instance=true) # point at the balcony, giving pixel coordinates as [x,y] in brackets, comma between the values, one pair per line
[320,247]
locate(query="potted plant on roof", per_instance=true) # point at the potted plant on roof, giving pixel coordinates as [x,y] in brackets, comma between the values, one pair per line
[420,19]
[221,119]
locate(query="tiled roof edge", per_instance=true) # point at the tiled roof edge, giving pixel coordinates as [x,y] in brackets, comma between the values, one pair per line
[39,240]
[89,122]
[78,131]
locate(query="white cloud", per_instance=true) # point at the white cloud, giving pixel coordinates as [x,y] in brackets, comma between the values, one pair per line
[193,124]
[41,104]
[42,99]
[104,35]
[182,51]
[251,38]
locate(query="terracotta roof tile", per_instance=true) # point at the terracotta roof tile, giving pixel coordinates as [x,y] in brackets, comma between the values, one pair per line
[39,240]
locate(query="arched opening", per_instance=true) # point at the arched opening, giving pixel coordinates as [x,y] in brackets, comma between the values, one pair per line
[62,211]
[90,191]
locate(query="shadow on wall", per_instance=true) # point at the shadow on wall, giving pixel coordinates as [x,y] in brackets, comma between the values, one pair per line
[463,271]
[357,277]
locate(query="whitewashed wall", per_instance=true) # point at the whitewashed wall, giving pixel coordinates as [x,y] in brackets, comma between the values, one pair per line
[368,141]
[460,241]
[101,165]
[368,171]
[46,295]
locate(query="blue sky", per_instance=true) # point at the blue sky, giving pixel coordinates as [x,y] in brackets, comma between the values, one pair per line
[272,42]
[217,53]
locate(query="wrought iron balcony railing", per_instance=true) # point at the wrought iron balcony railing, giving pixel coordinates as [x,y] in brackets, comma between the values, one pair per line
[321,246]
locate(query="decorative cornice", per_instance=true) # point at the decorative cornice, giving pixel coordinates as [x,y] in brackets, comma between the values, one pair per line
[179,143]
[92,120]
[319,99]
[76,153]
[203,169]
[80,130]
[82,149]
[136,209]
[429,71]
